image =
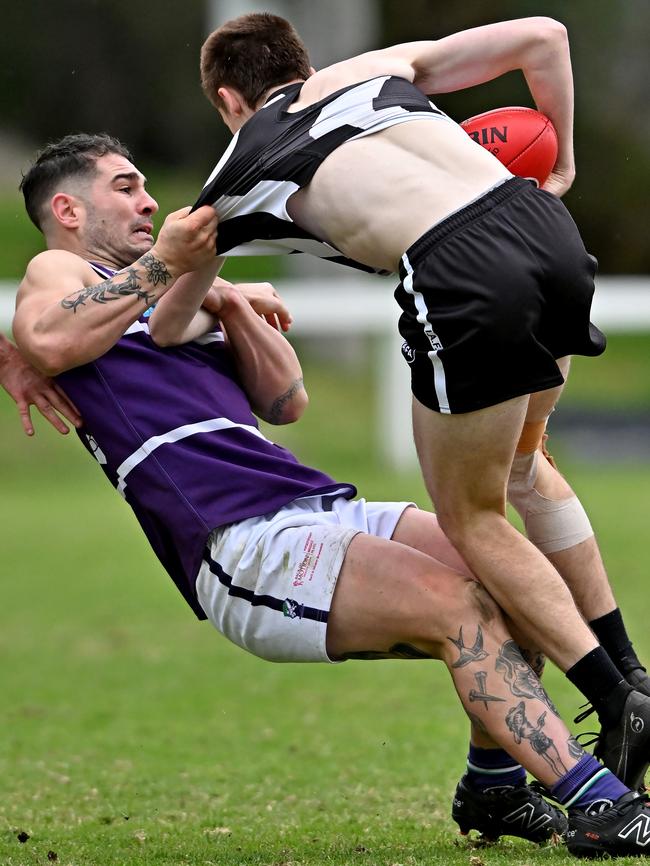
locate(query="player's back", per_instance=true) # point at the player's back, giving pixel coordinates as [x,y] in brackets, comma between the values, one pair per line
[365,170]
[373,196]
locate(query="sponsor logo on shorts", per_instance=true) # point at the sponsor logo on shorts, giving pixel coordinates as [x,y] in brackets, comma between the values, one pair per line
[292,609]
[434,341]
[408,352]
[308,564]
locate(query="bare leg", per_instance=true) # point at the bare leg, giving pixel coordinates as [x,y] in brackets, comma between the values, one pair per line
[393,601]
[581,565]
[421,531]
[465,461]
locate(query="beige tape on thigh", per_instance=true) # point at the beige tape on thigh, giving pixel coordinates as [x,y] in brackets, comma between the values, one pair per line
[551,524]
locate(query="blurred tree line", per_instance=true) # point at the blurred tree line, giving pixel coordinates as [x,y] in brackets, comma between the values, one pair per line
[132,69]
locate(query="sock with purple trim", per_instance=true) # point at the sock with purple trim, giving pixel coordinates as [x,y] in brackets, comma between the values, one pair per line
[588,786]
[493,768]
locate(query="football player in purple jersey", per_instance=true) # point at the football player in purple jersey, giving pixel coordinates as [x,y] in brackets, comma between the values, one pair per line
[166,366]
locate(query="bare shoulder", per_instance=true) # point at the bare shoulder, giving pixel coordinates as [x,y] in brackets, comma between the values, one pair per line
[53,268]
[56,262]
[363,67]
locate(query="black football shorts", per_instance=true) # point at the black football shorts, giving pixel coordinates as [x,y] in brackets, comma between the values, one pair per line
[492,296]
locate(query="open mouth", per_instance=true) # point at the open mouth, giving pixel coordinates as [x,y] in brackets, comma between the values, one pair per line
[143,231]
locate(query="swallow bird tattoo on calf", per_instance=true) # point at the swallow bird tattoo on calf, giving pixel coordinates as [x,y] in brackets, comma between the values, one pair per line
[475,653]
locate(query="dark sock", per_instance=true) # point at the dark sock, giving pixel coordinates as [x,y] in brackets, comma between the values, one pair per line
[611,634]
[493,768]
[600,681]
[586,784]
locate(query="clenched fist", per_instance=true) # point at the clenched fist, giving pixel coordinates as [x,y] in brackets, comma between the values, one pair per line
[187,241]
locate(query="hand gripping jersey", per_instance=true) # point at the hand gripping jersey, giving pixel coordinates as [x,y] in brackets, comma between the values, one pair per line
[174,433]
[277,152]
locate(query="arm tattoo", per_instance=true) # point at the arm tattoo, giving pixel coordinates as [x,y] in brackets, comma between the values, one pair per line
[540,743]
[122,284]
[155,269]
[277,407]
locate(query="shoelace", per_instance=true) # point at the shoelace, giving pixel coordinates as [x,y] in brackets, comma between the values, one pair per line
[587,710]
[542,791]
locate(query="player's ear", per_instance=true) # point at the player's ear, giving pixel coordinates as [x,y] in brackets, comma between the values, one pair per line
[312,71]
[66,209]
[232,101]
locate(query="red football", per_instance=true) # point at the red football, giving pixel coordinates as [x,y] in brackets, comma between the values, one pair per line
[523,139]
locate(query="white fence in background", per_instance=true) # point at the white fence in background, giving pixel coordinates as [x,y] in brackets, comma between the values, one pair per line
[358,306]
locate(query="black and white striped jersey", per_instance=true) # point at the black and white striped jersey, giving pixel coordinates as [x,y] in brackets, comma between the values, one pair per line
[277,152]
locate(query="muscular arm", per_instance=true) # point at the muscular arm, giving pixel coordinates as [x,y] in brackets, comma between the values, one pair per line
[192,307]
[266,363]
[179,316]
[66,317]
[539,47]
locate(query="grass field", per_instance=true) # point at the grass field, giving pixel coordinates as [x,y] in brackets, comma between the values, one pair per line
[134,735]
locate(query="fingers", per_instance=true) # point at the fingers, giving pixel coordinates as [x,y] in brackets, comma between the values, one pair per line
[26,418]
[272,320]
[48,412]
[285,318]
[179,214]
[187,241]
[63,404]
[203,222]
[264,299]
[204,226]
[205,215]
[281,315]
[49,402]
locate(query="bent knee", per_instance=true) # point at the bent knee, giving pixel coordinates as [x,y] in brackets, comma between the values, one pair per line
[470,526]
[465,600]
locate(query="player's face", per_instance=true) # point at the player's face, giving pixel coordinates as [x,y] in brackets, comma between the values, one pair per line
[118,210]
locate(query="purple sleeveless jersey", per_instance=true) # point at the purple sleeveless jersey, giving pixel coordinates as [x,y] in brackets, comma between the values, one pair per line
[174,433]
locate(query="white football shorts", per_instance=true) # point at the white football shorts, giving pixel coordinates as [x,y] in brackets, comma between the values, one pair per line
[268,582]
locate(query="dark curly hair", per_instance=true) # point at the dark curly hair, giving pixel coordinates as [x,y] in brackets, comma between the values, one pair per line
[72,156]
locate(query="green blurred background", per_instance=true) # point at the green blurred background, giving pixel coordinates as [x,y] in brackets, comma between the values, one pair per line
[130,733]
[132,69]
[71,65]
